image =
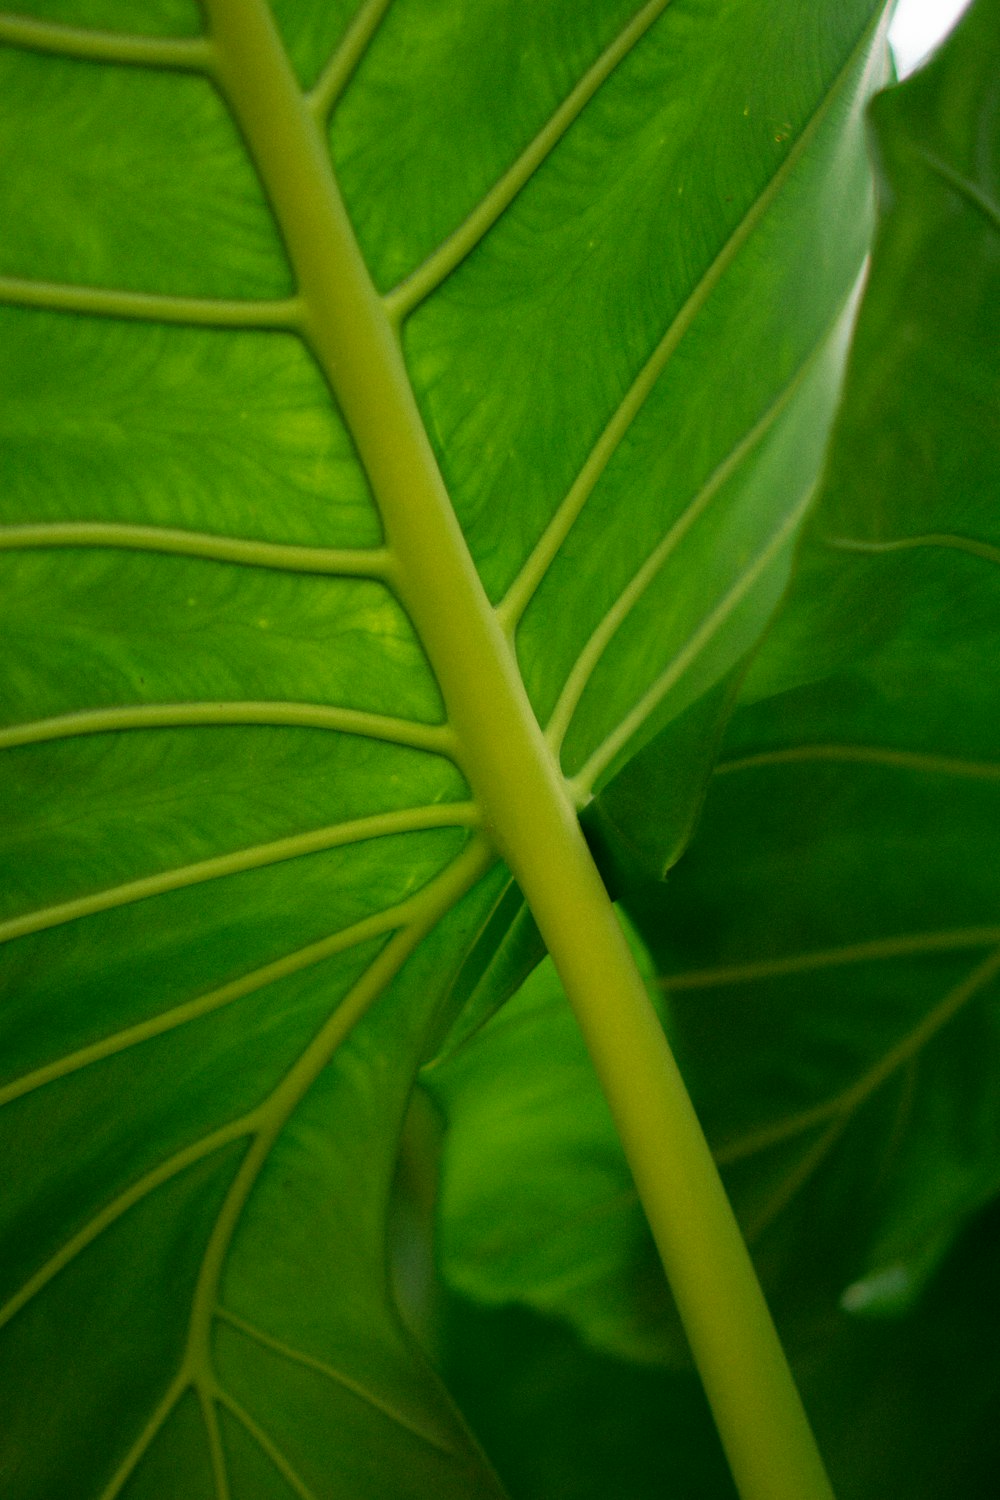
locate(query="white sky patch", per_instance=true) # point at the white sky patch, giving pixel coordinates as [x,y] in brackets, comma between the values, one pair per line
[918,26]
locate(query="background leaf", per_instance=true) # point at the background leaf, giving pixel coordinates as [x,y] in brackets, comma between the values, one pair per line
[906,1403]
[902,1405]
[830,941]
[567,1423]
[536,1202]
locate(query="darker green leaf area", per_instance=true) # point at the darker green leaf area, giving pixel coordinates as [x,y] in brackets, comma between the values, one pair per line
[565,1423]
[670,774]
[79,1414]
[901,1406]
[908,1406]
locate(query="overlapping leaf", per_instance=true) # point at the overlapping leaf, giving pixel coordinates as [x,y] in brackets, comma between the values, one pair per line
[241,872]
[536,1205]
[831,943]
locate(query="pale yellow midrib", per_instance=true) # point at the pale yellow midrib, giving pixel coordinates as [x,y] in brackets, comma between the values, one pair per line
[526,807]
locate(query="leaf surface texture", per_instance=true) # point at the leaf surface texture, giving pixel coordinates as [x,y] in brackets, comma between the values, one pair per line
[244,862]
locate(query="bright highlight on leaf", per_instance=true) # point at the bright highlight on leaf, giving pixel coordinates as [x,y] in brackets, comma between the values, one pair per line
[409,414]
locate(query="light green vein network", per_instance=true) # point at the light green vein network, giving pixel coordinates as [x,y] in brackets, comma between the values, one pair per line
[403,926]
[474,747]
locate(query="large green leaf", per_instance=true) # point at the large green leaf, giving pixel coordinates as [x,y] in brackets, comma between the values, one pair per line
[245,875]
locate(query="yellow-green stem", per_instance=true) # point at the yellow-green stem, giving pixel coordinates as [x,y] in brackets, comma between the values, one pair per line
[527,810]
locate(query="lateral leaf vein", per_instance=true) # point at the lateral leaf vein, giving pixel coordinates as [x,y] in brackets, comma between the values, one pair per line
[434,738]
[255,857]
[926,763]
[348,562]
[516,600]
[438,266]
[583,668]
[843,1106]
[189,1156]
[598,762]
[84,44]
[266,1444]
[948,540]
[326,92]
[152,307]
[310,1362]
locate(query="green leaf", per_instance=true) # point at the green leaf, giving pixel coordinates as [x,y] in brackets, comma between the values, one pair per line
[831,941]
[669,774]
[537,1206]
[505,953]
[905,1406]
[565,1421]
[265,740]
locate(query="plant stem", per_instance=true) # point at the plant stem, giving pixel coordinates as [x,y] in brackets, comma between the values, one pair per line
[516,781]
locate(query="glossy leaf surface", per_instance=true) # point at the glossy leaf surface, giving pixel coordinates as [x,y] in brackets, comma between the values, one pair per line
[244,878]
